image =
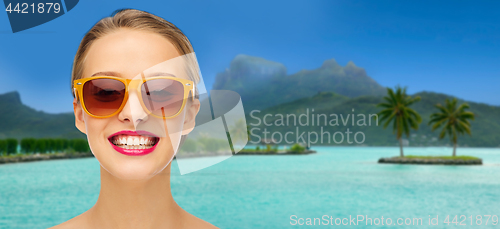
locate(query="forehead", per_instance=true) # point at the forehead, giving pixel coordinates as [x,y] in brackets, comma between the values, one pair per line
[126,53]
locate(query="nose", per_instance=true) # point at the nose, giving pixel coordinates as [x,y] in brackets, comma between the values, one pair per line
[133,111]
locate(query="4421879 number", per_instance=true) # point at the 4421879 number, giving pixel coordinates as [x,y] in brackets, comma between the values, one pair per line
[477,220]
[25,8]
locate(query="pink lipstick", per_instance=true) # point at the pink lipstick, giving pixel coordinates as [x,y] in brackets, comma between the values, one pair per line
[134,143]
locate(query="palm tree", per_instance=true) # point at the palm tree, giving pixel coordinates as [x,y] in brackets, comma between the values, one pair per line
[396,110]
[454,120]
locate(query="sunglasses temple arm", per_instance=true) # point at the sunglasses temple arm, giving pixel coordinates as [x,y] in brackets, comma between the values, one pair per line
[74,93]
[193,92]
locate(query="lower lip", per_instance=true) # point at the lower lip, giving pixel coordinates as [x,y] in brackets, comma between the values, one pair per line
[134,152]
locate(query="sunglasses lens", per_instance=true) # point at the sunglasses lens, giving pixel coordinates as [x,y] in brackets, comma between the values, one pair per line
[103,97]
[163,97]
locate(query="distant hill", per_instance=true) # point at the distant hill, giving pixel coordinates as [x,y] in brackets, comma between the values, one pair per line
[485,129]
[20,121]
[263,83]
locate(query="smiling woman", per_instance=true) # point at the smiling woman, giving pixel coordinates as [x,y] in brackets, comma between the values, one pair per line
[135,104]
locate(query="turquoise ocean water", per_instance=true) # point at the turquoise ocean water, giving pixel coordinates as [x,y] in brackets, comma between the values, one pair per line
[265,191]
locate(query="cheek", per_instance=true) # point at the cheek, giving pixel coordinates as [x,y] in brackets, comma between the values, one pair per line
[170,130]
[175,128]
[95,133]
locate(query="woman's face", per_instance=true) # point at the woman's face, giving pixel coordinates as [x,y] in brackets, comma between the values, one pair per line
[126,54]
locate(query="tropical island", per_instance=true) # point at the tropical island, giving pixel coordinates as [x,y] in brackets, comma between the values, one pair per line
[433,160]
[452,118]
[271,148]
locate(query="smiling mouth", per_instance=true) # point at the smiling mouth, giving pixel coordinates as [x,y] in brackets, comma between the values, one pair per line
[133,142]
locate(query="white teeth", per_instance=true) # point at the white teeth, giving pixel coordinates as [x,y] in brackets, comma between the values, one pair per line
[133,142]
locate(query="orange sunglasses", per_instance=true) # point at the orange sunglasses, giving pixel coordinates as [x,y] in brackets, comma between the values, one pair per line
[105,96]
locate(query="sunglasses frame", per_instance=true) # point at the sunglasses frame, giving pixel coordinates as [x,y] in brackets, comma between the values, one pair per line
[134,84]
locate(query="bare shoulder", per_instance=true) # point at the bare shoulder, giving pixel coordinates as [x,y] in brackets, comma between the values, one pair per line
[188,221]
[76,222]
[203,224]
[191,221]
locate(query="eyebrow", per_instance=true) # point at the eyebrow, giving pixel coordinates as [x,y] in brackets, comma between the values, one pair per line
[118,74]
[105,74]
[161,74]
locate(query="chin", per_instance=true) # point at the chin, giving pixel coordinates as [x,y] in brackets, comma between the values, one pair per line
[129,167]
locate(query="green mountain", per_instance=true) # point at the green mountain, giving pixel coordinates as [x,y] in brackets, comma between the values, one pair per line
[263,83]
[485,129]
[20,121]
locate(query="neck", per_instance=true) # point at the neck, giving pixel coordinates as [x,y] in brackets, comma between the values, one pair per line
[136,204]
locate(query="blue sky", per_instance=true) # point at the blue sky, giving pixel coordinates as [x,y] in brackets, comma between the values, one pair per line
[450,47]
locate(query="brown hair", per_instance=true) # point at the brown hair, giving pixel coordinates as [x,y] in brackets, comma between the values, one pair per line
[132,19]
